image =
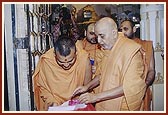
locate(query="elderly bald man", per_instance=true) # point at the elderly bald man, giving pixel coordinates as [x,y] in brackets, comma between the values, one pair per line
[121,80]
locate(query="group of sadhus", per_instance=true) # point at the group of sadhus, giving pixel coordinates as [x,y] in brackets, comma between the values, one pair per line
[118,80]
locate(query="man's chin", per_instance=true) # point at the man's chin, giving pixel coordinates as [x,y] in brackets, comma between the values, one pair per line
[66,68]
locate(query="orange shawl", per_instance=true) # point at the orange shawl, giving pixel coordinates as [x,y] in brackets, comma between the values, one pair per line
[147,46]
[92,49]
[123,65]
[52,83]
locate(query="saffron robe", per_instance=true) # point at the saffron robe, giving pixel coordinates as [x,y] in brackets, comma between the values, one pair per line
[147,45]
[123,65]
[92,49]
[54,84]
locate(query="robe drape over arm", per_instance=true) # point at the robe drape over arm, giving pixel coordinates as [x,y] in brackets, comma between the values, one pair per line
[147,46]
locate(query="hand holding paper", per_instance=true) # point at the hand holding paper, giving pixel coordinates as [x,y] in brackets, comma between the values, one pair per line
[79,90]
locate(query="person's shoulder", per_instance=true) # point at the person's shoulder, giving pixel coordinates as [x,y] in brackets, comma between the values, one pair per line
[144,41]
[126,40]
[79,47]
[79,44]
[48,54]
[81,53]
[147,41]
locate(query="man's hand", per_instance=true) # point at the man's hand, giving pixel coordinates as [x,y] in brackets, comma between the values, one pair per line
[54,104]
[79,90]
[150,78]
[51,104]
[88,98]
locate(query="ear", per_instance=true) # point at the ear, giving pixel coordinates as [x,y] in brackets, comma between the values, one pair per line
[84,32]
[134,29]
[115,33]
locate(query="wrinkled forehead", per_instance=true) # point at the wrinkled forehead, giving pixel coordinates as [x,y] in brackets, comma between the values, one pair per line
[102,28]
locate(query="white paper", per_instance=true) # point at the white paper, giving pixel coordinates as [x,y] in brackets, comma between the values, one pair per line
[62,108]
[66,107]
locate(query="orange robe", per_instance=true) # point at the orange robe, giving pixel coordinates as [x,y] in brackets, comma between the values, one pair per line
[54,84]
[147,45]
[123,65]
[92,49]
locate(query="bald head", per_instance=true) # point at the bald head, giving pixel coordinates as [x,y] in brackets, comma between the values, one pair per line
[91,27]
[106,21]
[106,32]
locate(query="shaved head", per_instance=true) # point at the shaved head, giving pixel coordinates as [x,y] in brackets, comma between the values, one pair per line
[90,35]
[128,28]
[107,21]
[106,32]
[91,27]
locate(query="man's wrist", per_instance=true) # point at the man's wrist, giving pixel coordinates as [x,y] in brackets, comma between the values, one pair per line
[87,87]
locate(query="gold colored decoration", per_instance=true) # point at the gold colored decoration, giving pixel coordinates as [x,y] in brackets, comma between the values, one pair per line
[94,17]
[158,48]
[160,79]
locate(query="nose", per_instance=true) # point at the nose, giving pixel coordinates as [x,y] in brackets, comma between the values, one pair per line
[99,40]
[66,64]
